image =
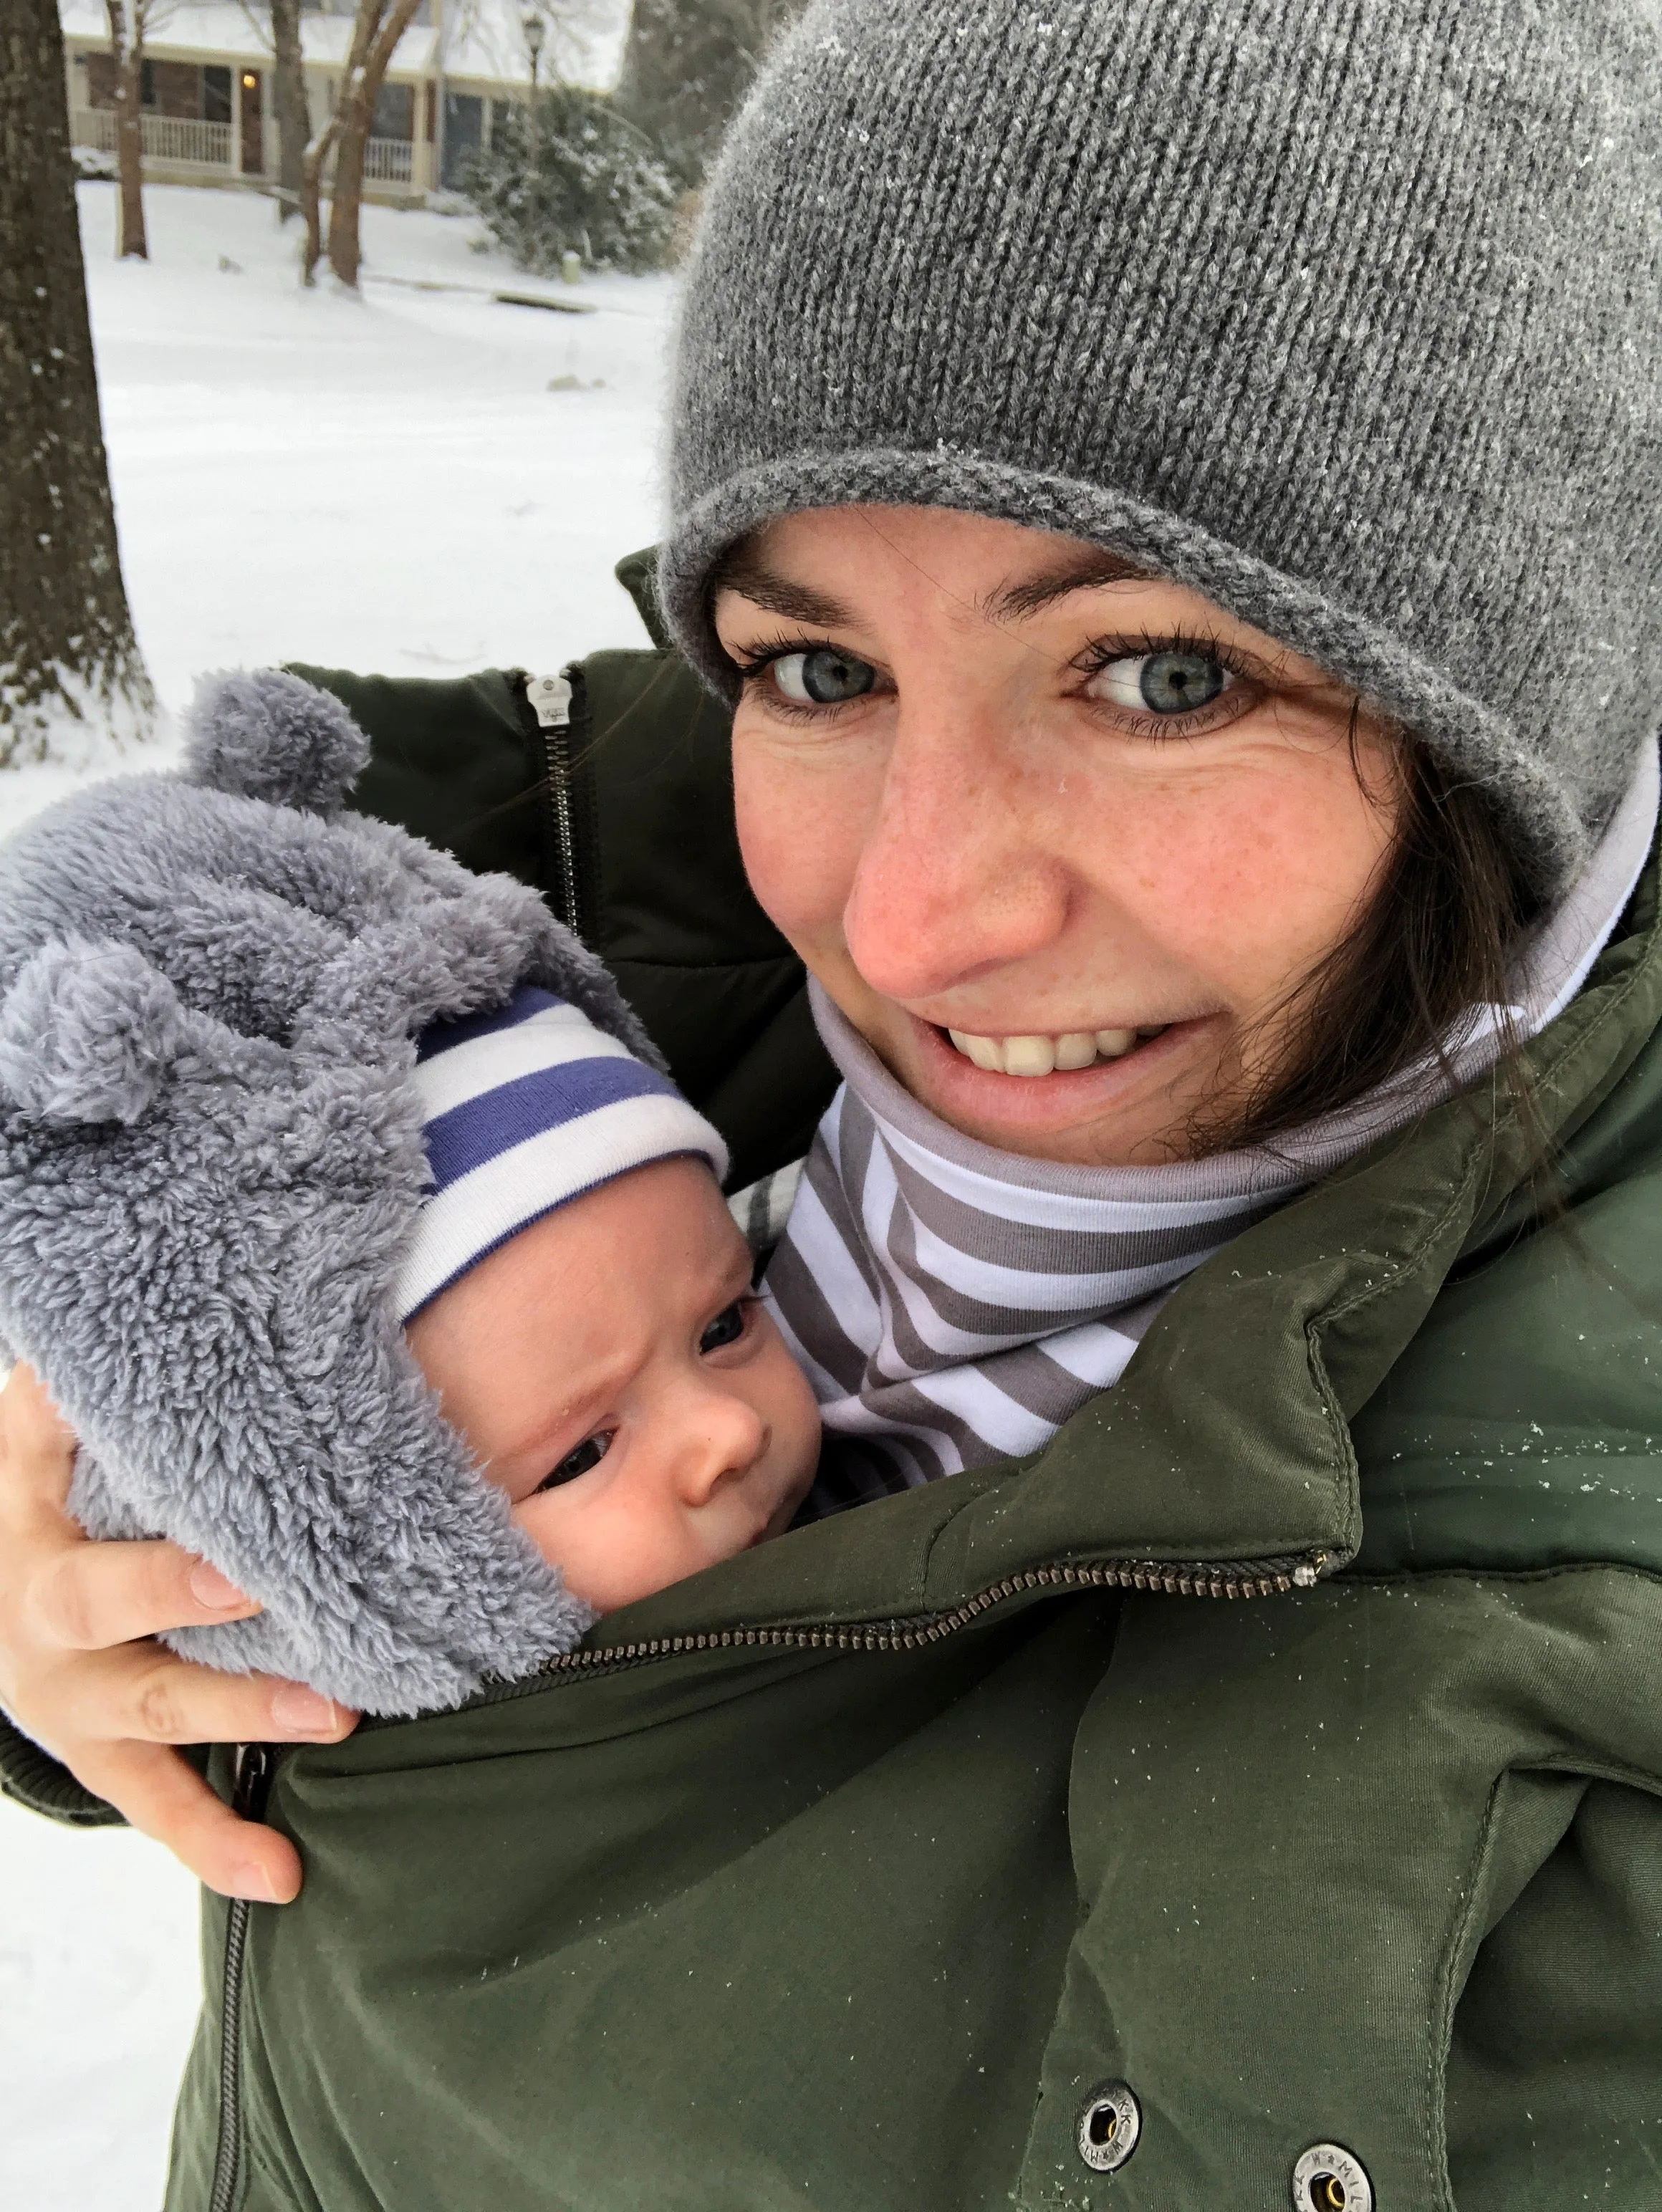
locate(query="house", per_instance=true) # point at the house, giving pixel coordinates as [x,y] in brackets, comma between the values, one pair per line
[208,115]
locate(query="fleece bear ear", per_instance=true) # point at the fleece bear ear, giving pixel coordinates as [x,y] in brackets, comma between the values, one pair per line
[262,733]
[88,1033]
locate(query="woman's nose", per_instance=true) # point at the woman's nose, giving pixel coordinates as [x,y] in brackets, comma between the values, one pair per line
[722,1439]
[954,878]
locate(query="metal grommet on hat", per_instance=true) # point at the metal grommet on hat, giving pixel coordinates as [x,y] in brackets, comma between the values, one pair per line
[1109,2127]
[1331,2179]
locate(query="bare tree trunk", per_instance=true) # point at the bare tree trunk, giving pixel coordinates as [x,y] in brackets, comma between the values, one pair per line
[127,47]
[289,97]
[346,196]
[380,25]
[68,663]
[311,195]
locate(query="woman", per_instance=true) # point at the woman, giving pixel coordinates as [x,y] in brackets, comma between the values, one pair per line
[1172,495]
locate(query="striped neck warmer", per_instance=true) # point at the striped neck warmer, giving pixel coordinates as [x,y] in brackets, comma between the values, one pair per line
[954,1304]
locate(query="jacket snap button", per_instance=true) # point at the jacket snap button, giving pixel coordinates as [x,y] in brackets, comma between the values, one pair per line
[1109,2127]
[1330,2179]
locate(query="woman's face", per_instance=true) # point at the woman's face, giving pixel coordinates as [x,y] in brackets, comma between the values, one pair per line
[1056,839]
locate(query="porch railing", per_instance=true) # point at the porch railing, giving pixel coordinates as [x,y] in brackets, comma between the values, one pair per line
[179,138]
[387,160]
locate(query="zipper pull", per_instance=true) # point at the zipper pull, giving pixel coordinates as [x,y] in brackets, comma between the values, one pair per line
[254,1765]
[551,701]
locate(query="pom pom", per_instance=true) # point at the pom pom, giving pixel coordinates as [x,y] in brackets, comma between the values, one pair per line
[88,1033]
[262,733]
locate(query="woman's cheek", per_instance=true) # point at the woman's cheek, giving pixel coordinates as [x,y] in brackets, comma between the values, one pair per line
[800,822]
[1249,873]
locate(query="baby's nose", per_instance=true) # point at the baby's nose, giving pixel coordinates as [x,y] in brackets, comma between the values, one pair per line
[724,1439]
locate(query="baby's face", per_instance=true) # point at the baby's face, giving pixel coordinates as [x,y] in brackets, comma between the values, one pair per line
[613,1372]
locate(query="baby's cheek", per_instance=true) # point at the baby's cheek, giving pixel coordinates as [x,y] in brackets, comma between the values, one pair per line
[787,1386]
[543,1519]
[610,1550]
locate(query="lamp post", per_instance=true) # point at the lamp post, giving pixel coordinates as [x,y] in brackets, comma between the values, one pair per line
[535,32]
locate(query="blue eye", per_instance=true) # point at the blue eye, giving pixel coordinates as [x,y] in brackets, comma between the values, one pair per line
[728,1327]
[588,1454]
[821,678]
[1163,683]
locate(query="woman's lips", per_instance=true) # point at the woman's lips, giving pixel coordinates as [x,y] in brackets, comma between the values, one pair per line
[1059,1100]
[1034,1055]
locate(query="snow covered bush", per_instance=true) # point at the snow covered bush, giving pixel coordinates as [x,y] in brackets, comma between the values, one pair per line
[581,180]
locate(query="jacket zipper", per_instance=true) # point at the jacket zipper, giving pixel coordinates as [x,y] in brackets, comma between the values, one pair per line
[548,698]
[1235,1578]
[254,1765]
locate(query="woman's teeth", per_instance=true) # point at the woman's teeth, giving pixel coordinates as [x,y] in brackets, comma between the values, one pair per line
[1043,1055]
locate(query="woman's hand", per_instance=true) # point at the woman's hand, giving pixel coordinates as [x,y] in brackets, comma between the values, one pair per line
[80,1673]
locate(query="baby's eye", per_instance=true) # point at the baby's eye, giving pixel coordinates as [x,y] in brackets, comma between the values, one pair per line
[728,1327]
[821,678]
[588,1454]
[1162,683]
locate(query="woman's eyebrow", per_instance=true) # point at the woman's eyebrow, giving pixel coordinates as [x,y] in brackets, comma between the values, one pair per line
[1086,572]
[766,587]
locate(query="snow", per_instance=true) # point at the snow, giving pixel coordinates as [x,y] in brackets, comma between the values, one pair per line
[383,484]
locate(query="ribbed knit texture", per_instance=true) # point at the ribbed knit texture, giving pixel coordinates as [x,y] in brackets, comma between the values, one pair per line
[1347,315]
[953,1305]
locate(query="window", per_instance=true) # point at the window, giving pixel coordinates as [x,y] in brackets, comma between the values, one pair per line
[395,113]
[215,94]
[463,132]
[100,80]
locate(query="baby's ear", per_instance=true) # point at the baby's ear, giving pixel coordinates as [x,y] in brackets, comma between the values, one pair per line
[262,733]
[88,1033]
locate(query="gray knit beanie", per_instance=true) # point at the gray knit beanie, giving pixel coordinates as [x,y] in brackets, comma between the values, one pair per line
[1347,313]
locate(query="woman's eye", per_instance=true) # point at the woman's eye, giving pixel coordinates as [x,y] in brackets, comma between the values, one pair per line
[588,1454]
[1162,683]
[821,678]
[728,1327]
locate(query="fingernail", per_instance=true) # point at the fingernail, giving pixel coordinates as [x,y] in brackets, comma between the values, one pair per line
[209,1587]
[253,1882]
[302,1709]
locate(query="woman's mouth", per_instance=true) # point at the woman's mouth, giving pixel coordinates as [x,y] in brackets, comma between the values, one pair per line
[955,1073]
[1035,1054]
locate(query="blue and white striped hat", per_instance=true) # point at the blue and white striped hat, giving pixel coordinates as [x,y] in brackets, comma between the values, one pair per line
[522,1110]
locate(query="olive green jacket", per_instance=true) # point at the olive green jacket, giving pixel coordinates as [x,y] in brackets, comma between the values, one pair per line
[1273,1763]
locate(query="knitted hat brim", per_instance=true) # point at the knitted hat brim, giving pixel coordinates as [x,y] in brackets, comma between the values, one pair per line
[1537,809]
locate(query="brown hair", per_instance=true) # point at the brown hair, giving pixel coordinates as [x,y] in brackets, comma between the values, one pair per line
[1434,938]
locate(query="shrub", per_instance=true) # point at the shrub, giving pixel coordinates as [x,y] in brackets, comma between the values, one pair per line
[596,187]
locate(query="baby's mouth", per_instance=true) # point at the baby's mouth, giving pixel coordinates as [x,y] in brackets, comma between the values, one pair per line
[1035,1054]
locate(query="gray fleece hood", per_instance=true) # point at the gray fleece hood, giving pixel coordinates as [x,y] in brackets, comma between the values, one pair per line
[211,1162]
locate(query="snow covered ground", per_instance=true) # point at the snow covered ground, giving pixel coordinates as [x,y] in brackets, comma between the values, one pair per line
[388,483]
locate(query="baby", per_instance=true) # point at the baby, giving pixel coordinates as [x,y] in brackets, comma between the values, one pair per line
[347,1215]
[592,1332]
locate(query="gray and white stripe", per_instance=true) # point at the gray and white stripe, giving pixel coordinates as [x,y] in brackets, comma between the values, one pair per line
[953,1305]
[947,1314]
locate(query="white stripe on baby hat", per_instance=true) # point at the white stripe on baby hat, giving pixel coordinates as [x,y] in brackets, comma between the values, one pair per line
[524,1107]
[504,1194]
[551,1036]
